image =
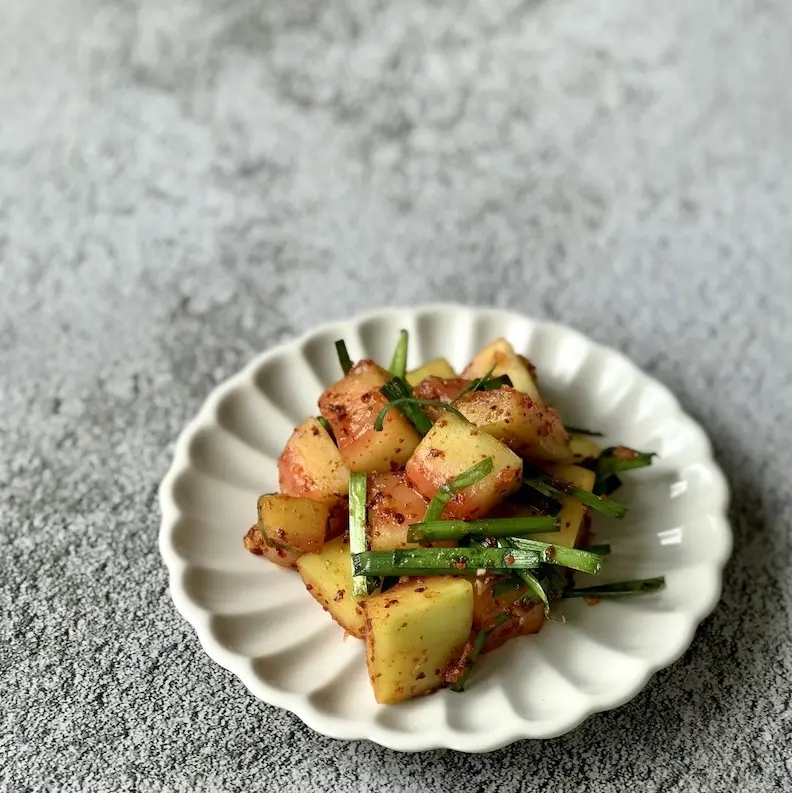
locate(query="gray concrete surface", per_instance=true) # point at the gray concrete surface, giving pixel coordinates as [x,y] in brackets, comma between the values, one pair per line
[183,184]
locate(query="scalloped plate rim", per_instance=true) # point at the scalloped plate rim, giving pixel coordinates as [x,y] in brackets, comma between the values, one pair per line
[516,728]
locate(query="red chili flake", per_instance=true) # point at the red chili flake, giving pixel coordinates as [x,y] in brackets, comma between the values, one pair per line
[366,397]
[436,453]
[550,552]
[309,587]
[281,533]
[509,560]
[315,431]
[394,466]
[460,563]
[420,676]
[339,595]
[399,518]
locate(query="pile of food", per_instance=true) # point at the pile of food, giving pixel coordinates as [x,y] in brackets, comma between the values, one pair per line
[437,516]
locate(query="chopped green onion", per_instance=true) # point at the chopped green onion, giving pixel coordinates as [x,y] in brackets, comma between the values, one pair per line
[600,550]
[581,431]
[435,530]
[361,586]
[397,403]
[461,482]
[441,561]
[619,589]
[343,356]
[396,391]
[558,488]
[573,558]
[398,366]
[478,645]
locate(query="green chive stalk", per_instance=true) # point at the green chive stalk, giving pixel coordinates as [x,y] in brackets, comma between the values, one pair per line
[441,561]
[410,401]
[581,431]
[398,366]
[573,558]
[529,579]
[438,530]
[558,488]
[478,645]
[343,356]
[459,483]
[616,460]
[357,529]
[399,394]
[639,586]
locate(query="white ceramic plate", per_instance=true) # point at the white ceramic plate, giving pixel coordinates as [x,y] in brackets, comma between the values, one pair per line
[257,620]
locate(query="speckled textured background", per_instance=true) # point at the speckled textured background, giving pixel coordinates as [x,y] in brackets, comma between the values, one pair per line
[183,184]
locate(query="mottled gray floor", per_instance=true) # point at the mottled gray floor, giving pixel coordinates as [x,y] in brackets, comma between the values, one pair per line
[183,184]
